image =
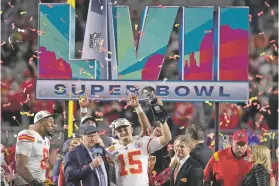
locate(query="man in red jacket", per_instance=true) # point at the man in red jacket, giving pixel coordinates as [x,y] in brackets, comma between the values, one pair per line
[229,166]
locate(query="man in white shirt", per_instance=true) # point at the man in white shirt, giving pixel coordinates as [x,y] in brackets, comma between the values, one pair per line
[186,171]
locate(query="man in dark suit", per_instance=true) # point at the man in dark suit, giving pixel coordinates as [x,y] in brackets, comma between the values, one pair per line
[187,171]
[198,150]
[86,166]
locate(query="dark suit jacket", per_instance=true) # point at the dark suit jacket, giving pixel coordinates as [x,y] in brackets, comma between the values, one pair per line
[201,153]
[77,168]
[190,174]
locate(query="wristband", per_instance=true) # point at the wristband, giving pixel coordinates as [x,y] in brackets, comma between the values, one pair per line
[83,109]
[138,109]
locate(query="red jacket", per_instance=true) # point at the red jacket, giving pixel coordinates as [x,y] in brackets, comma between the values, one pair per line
[226,169]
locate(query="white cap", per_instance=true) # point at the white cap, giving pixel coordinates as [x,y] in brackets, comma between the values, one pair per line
[41,115]
[83,119]
[120,122]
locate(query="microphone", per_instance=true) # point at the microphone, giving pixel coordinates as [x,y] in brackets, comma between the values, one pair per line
[97,150]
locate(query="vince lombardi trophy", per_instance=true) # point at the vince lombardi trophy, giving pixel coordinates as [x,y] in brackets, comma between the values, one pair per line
[95,44]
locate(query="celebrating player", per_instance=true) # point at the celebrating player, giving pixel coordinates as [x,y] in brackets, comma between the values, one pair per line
[130,155]
[32,150]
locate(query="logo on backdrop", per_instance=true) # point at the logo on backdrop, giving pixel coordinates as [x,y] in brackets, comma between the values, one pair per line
[212,61]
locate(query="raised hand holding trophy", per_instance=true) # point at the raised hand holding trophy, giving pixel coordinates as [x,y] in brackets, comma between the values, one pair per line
[159,112]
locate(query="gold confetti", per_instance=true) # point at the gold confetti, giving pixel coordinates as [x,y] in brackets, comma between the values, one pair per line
[109,52]
[176,25]
[207,102]
[27,114]
[1,12]
[99,119]
[44,24]
[262,54]
[101,42]
[23,12]
[136,27]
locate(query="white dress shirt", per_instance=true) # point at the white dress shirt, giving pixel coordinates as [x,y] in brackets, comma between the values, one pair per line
[182,161]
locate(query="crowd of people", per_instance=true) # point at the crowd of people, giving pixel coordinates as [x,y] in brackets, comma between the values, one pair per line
[94,158]
[18,95]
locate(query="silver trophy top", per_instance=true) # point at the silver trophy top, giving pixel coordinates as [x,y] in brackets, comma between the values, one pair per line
[148,93]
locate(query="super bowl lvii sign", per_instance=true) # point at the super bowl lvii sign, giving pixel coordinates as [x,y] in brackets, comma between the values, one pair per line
[212,64]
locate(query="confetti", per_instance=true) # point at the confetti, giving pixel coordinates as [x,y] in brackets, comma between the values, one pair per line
[113,3]
[0,12]
[260,13]
[176,25]
[3,43]
[80,70]
[7,105]
[9,3]
[40,32]
[91,66]
[23,12]
[65,127]
[207,102]
[32,29]
[7,133]
[49,5]
[250,17]
[101,42]
[266,4]
[207,31]
[141,33]
[165,79]
[118,16]
[272,12]
[261,33]
[161,6]
[13,26]
[27,114]
[53,106]
[64,114]
[20,30]
[275,47]
[136,27]
[31,18]
[62,20]
[107,59]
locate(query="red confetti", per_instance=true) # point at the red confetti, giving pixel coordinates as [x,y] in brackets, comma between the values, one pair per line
[260,13]
[49,5]
[13,26]
[161,6]
[31,18]
[3,43]
[9,3]
[250,17]
[141,33]
[266,4]
[32,29]
[7,105]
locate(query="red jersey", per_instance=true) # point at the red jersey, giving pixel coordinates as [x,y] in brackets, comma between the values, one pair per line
[228,170]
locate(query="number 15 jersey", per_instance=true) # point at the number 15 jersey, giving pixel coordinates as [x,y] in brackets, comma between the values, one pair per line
[131,161]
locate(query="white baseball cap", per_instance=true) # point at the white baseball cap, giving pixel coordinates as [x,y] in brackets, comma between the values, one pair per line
[120,122]
[41,115]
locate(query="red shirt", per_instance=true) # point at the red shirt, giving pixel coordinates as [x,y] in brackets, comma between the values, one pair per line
[227,168]
[183,114]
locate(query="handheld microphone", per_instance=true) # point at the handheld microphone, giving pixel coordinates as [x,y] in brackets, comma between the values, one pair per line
[97,150]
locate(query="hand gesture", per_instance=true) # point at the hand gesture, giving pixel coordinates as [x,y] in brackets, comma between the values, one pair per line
[83,100]
[157,132]
[98,161]
[134,102]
